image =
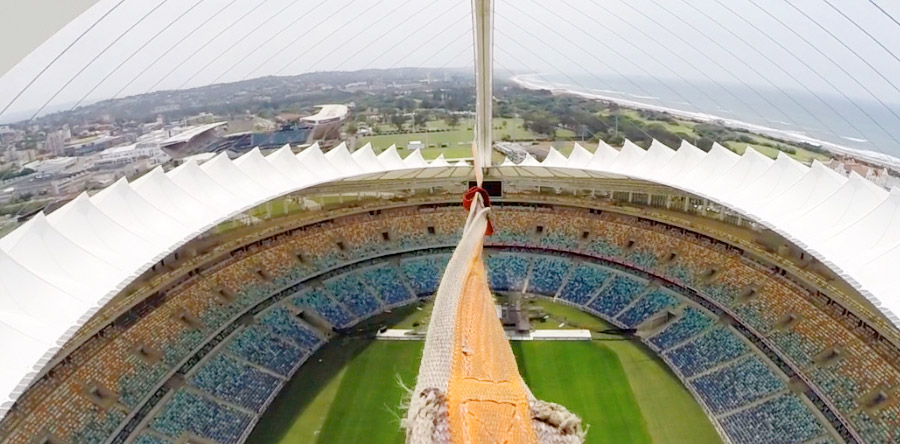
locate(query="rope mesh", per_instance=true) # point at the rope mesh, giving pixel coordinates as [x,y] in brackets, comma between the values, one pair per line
[469,389]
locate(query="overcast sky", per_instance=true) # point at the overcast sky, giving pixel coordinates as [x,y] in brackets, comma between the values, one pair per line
[145,45]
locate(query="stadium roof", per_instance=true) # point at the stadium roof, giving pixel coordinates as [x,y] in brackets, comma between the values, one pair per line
[188,135]
[56,271]
[328,112]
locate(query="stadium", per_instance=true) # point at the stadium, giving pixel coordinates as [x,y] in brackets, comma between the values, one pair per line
[199,329]
[301,295]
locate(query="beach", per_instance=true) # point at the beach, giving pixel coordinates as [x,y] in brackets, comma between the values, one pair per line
[531,81]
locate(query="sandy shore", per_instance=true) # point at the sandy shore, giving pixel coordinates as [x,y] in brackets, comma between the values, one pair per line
[873,157]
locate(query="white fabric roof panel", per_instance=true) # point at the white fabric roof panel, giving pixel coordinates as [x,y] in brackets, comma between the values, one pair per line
[235,181]
[783,174]
[286,162]
[194,181]
[390,159]
[856,198]
[872,235]
[159,188]
[366,159]
[745,171]
[817,184]
[95,232]
[658,155]
[627,160]
[603,157]
[314,160]
[256,168]
[56,271]
[121,203]
[343,162]
[58,260]
[579,158]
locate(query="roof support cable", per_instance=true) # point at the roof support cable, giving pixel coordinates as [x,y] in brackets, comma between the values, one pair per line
[58,56]
[305,34]
[136,52]
[820,76]
[172,48]
[224,30]
[240,61]
[238,41]
[97,56]
[803,85]
[697,69]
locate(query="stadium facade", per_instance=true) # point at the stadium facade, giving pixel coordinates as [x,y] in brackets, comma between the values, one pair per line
[112,300]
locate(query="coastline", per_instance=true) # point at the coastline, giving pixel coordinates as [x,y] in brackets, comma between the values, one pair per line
[790,136]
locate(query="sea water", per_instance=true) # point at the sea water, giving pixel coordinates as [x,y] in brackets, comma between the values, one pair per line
[830,120]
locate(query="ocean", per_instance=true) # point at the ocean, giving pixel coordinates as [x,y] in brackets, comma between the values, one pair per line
[862,127]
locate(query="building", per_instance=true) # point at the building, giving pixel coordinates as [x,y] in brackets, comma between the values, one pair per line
[56,166]
[56,142]
[327,122]
[93,144]
[192,140]
[878,175]
[415,145]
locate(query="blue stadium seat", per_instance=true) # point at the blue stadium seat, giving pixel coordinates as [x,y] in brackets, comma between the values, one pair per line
[386,280]
[647,306]
[256,345]
[783,420]
[230,380]
[584,282]
[548,274]
[190,413]
[617,295]
[708,350]
[737,385]
[692,323]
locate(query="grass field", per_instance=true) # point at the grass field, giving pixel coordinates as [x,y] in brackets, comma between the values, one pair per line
[454,144]
[350,392]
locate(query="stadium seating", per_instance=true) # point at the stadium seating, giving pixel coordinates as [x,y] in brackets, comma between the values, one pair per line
[230,380]
[285,325]
[647,306]
[711,349]
[256,345]
[318,300]
[783,420]
[189,412]
[548,275]
[278,342]
[348,290]
[385,280]
[620,292]
[424,274]
[584,282]
[693,322]
[507,272]
[146,438]
[737,385]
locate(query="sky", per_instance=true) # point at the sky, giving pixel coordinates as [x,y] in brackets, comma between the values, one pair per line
[117,48]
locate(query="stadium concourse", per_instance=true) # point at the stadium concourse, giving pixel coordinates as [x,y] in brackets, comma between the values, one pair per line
[177,306]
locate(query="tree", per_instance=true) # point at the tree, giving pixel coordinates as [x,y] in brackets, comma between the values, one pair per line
[542,123]
[399,120]
[420,119]
[352,129]
[453,120]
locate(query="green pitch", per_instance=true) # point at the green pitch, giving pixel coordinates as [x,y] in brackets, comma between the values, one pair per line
[619,389]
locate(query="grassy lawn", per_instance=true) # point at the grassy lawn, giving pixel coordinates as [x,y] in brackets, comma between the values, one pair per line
[680,126]
[459,138]
[589,380]
[349,391]
[802,155]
